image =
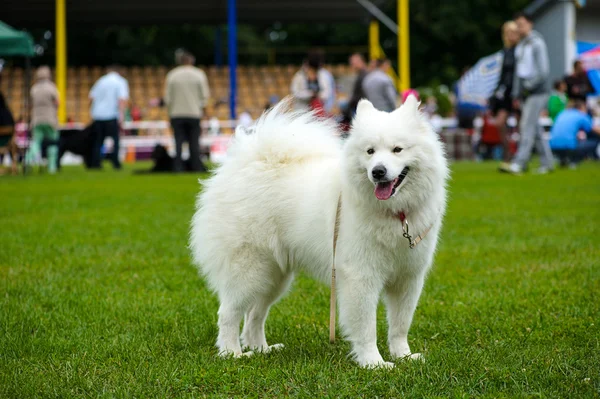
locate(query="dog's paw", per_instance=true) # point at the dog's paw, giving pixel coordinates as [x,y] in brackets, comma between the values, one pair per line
[380,365]
[400,351]
[266,348]
[274,347]
[414,356]
[229,353]
[403,353]
[371,359]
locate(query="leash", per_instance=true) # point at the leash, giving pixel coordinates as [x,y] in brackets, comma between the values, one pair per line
[406,234]
[332,300]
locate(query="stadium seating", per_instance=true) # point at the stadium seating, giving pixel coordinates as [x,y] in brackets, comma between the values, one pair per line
[256,86]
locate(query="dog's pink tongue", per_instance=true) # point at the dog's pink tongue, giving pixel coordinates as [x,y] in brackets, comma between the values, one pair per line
[383,191]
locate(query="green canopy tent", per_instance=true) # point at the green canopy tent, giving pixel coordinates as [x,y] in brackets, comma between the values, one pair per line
[14,42]
[20,44]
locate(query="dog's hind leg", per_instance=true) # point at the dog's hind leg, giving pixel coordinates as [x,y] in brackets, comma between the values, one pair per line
[251,279]
[401,301]
[253,333]
[236,294]
[230,316]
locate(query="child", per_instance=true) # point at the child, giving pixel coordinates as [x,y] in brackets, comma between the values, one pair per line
[558,99]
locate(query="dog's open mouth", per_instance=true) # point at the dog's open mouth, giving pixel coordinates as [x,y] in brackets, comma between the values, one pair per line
[385,190]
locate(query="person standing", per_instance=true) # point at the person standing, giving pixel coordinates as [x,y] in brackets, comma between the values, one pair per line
[530,89]
[558,100]
[186,95]
[311,86]
[7,131]
[501,104]
[379,88]
[108,97]
[245,119]
[579,86]
[359,66]
[329,102]
[44,118]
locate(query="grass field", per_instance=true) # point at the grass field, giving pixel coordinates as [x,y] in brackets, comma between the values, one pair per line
[98,297]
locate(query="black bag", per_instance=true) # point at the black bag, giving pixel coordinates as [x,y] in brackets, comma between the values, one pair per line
[6,117]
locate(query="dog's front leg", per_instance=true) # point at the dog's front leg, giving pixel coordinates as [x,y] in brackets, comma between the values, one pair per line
[357,299]
[401,299]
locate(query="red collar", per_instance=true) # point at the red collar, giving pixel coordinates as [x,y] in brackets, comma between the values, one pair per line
[411,243]
[402,216]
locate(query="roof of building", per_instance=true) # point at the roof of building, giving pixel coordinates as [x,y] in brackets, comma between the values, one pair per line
[40,13]
[537,7]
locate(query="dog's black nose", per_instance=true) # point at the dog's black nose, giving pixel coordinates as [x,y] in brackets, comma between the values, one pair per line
[379,172]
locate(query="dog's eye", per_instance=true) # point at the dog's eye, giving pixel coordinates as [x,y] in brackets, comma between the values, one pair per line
[397,150]
[370,151]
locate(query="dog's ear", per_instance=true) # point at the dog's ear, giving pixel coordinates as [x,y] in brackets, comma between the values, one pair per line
[364,105]
[410,106]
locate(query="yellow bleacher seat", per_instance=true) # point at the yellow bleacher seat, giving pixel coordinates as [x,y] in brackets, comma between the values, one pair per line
[256,84]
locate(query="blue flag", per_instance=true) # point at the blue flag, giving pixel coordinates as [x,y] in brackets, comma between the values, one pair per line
[478,84]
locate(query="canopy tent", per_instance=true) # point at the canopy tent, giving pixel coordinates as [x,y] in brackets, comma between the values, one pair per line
[14,42]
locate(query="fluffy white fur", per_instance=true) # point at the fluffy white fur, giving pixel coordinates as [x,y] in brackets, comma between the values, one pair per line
[269,211]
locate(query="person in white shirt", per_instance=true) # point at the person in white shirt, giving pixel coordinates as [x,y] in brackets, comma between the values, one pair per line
[245,119]
[310,85]
[108,97]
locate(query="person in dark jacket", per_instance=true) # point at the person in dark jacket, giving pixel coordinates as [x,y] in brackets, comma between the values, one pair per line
[501,101]
[578,83]
[7,120]
[7,132]
[359,66]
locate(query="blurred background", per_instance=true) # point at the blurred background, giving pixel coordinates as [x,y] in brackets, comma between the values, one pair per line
[251,50]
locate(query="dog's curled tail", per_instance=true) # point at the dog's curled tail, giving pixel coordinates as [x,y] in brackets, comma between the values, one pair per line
[282,135]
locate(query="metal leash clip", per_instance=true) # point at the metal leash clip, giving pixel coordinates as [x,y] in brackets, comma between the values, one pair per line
[406,235]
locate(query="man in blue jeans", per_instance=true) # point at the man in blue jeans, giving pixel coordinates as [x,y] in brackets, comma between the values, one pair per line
[568,137]
[109,97]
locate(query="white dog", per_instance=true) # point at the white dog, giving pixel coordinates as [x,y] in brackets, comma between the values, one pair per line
[270,210]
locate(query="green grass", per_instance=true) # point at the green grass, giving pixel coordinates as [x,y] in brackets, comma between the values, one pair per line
[98,297]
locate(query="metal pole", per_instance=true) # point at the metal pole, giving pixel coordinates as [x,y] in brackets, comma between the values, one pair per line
[232,51]
[218,46]
[403,45]
[374,40]
[61,58]
[380,15]
[26,111]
